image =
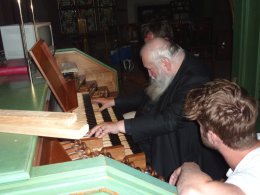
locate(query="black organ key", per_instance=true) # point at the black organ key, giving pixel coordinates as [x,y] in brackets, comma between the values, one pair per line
[113,137]
[134,147]
[91,119]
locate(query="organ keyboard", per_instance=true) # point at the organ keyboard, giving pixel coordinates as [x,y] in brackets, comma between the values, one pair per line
[118,146]
[87,111]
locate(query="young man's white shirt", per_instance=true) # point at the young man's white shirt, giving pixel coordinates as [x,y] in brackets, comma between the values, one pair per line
[247,173]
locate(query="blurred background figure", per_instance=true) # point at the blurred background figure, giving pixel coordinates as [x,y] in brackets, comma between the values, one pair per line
[154,29]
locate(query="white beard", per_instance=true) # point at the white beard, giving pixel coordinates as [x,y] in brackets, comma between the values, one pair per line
[158,86]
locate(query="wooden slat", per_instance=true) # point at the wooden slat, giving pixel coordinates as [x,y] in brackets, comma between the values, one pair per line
[42,123]
[36,116]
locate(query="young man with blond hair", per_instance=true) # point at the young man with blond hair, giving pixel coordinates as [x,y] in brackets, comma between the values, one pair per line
[227,117]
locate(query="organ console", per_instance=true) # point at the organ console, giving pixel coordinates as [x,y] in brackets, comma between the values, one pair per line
[40,165]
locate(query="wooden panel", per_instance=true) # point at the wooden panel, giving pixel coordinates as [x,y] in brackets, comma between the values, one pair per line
[64,91]
[52,152]
[92,68]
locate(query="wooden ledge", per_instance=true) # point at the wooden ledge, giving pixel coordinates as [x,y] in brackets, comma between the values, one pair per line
[42,123]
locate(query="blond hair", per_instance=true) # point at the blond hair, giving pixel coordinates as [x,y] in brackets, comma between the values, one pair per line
[226,109]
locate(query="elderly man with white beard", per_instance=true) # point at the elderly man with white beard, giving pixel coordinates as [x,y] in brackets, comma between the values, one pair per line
[159,126]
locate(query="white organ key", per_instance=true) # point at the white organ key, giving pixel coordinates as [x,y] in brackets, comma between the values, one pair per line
[99,119]
[112,114]
[121,136]
[80,110]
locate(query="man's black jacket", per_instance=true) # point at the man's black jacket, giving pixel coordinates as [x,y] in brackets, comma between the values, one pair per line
[172,139]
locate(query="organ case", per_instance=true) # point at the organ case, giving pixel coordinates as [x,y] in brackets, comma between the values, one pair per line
[24,155]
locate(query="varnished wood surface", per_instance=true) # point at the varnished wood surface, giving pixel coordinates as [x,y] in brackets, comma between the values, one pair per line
[42,123]
[64,91]
[92,68]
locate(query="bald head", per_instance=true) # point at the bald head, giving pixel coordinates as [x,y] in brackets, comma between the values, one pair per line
[155,44]
[162,54]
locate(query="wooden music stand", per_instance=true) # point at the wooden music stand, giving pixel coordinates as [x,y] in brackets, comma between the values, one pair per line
[64,91]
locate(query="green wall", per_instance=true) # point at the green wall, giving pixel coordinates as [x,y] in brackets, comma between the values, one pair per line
[246,46]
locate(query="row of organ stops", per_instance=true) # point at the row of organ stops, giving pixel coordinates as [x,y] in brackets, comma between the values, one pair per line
[119,147]
[78,149]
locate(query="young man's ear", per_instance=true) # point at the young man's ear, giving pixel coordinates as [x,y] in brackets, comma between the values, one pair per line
[213,138]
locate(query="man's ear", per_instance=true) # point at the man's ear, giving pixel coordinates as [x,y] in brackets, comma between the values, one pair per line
[166,65]
[213,138]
